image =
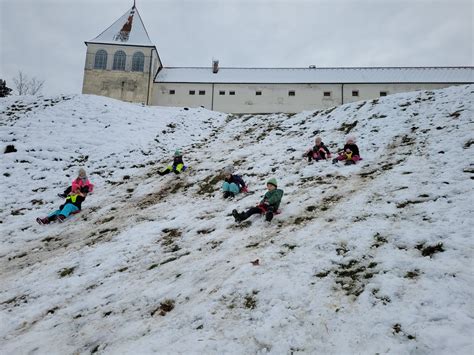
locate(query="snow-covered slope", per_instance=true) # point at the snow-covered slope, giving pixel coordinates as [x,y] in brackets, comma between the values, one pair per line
[372,258]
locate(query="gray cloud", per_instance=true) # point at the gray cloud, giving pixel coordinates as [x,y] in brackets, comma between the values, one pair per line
[45,38]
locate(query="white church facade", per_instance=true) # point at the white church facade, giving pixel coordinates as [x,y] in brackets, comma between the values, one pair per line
[123,63]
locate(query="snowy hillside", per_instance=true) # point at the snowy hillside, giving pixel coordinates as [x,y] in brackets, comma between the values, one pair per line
[365,259]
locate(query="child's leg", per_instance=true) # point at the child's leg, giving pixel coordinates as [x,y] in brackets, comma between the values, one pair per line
[269,213]
[225,186]
[251,211]
[167,170]
[53,215]
[68,209]
[68,190]
[234,188]
[356,158]
[179,168]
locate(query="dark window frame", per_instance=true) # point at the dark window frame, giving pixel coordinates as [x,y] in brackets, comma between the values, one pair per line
[221,92]
[327,93]
[100,59]
[383,93]
[138,62]
[292,93]
[172,92]
[120,60]
[202,92]
[258,93]
[231,93]
[355,93]
[192,92]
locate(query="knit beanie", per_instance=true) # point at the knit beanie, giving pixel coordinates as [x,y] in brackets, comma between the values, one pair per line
[273,181]
[82,173]
[228,170]
[177,153]
[350,138]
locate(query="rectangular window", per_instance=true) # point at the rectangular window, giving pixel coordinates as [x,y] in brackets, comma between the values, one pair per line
[221,92]
[202,92]
[172,92]
[231,92]
[291,93]
[383,93]
[192,92]
[355,92]
[258,93]
[327,94]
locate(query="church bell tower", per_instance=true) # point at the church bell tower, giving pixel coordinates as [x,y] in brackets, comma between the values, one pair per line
[121,62]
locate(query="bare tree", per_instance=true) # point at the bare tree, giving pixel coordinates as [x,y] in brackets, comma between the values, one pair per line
[26,86]
[21,83]
[36,86]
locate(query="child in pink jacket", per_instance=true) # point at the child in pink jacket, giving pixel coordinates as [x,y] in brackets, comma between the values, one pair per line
[80,183]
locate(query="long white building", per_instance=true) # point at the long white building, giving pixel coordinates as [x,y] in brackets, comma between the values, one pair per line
[123,63]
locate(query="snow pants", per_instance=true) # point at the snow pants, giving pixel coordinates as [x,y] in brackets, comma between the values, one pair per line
[341,157]
[67,209]
[260,209]
[170,168]
[232,187]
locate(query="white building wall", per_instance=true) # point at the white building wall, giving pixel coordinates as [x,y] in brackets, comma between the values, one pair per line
[123,85]
[273,98]
[372,91]
[181,98]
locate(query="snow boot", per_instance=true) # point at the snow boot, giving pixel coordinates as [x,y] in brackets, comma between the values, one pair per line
[61,218]
[236,215]
[335,160]
[42,220]
[269,216]
[62,195]
[239,217]
[350,162]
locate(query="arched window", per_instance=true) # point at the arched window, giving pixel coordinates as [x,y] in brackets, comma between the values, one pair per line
[100,61]
[119,60]
[138,61]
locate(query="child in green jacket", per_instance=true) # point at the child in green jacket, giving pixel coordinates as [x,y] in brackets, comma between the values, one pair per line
[268,206]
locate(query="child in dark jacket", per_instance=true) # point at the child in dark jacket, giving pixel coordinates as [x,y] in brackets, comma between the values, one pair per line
[233,183]
[72,204]
[350,152]
[318,152]
[268,205]
[81,182]
[178,165]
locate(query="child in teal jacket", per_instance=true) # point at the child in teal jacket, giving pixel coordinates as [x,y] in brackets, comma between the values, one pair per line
[268,205]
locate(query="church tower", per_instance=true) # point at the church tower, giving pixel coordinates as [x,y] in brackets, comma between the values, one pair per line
[121,62]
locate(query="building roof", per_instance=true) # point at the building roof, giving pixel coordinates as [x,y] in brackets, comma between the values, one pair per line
[127,30]
[317,75]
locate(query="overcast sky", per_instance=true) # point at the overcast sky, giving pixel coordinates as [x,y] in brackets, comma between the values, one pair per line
[45,38]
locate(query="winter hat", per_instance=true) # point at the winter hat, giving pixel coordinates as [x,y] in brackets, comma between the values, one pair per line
[228,170]
[177,153]
[82,173]
[273,181]
[350,138]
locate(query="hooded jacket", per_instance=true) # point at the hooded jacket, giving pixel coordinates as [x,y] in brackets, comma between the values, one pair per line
[273,198]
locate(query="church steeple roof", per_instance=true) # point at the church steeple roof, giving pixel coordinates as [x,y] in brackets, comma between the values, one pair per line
[127,30]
